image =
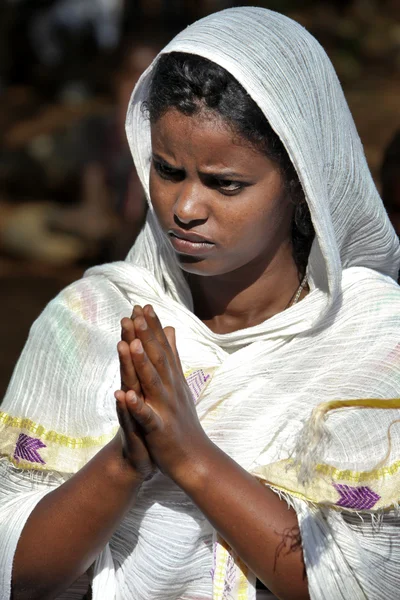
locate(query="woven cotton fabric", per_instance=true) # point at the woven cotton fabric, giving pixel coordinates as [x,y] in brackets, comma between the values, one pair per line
[258,390]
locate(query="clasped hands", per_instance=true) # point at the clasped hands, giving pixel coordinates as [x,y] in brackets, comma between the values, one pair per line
[156,411]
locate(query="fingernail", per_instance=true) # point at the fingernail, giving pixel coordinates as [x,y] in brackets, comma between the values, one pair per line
[151,312]
[132,399]
[138,347]
[142,324]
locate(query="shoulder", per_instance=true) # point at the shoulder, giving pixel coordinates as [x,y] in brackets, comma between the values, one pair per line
[94,300]
[370,296]
[365,318]
[366,327]
[356,278]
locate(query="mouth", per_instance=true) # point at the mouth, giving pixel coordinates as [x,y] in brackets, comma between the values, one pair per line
[190,243]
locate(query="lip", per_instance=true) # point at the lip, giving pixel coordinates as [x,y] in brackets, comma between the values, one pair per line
[186,235]
[190,243]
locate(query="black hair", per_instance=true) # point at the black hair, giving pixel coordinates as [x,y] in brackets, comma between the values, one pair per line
[191,83]
[390,171]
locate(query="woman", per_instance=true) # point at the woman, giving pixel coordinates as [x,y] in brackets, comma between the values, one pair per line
[262,290]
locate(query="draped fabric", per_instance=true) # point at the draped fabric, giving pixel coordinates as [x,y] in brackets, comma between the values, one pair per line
[306,401]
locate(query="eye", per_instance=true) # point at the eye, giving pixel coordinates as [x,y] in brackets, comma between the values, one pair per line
[231,186]
[228,187]
[165,171]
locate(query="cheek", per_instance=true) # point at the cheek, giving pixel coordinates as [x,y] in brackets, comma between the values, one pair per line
[258,223]
[160,199]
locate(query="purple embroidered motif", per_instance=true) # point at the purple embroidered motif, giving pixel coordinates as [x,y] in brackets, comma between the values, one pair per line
[230,579]
[196,382]
[360,498]
[212,571]
[27,448]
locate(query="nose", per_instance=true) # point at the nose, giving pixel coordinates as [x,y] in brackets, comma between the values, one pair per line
[190,204]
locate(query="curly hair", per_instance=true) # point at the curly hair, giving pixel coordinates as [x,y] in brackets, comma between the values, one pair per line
[190,83]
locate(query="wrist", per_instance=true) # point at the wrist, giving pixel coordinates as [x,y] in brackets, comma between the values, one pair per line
[193,470]
[118,467]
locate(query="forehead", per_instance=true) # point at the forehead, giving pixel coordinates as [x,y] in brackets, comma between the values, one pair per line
[205,135]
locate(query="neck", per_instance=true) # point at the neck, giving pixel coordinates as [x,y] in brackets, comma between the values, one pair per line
[247,296]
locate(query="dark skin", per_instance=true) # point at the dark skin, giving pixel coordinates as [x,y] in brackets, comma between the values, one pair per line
[237,283]
[206,179]
[68,523]
[249,516]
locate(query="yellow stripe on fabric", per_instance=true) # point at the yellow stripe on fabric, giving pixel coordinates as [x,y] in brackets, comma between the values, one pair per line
[362,402]
[325,493]
[221,562]
[25,465]
[243,592]
[241,585]
[52,436]
[379,403]
[319,413]
[285,490]
[219,574]
[318,502]
[358,476]
[337,474]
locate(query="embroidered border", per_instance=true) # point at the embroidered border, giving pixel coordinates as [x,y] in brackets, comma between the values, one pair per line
[358,476]
[52,436]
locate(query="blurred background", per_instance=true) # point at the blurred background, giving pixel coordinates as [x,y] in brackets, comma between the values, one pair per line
[69,195]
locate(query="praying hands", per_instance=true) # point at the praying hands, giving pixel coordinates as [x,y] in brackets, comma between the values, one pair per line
[155,405]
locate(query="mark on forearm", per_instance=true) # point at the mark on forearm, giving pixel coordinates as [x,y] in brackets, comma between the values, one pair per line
[290,543]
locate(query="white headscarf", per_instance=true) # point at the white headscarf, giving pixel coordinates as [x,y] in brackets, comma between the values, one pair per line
[256,389]
[288,74]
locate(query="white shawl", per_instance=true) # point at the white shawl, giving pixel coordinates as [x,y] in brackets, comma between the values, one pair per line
[255,388]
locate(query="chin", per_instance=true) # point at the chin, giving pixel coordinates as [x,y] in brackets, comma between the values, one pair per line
[195,266]
[201,267]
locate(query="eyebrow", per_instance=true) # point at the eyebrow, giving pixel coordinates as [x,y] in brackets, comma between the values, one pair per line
[217,173]
[165,162]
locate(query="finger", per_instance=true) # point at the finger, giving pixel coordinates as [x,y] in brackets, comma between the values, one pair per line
[127,326]
[132,442]
[129,379]
[142,413]
[171,337]
[120,396]
[124,417]
[159,353]
[155,325]
[150,380]
[137,311]
[127,330]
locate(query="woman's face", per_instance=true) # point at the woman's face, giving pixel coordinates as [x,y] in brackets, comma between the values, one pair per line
[220,202]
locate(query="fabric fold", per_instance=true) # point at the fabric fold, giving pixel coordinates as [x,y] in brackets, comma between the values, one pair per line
[256,389]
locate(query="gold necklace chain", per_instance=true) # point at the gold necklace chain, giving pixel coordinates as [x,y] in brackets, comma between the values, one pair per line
[298,292]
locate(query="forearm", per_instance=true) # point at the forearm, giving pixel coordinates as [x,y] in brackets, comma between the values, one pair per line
[71,525]
[251,518]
